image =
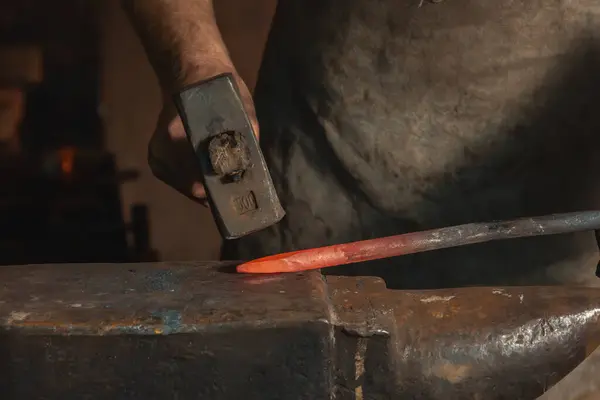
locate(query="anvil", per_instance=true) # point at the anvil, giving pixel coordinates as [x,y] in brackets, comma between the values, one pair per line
[196,330]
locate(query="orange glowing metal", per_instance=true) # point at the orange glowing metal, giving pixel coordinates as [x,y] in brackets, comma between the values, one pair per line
[409,243]
[329,256]
[67,159]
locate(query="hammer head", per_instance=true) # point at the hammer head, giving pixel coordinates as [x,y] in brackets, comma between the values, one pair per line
[238,184]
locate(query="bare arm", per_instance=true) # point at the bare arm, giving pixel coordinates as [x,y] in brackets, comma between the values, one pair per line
[184,46]
[181,39]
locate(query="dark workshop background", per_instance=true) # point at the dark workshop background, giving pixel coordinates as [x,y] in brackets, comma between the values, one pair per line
[95,100]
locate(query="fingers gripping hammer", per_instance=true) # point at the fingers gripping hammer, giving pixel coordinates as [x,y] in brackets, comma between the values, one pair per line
[237,181]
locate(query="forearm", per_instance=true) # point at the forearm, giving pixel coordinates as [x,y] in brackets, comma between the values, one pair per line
[181,39]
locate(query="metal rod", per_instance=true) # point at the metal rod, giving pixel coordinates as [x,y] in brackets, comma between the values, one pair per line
[417,242]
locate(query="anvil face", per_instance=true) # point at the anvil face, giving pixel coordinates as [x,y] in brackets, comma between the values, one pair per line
[196,330]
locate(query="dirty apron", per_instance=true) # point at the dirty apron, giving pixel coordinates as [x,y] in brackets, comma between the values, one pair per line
[380,117]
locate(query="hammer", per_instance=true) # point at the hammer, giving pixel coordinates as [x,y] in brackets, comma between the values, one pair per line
[238,184]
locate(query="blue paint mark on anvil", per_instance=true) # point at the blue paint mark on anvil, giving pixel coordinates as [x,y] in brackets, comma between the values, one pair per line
[171,321]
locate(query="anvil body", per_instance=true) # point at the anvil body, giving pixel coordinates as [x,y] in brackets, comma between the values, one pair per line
[199,331]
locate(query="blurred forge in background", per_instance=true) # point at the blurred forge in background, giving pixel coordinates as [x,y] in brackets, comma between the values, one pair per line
[59,188]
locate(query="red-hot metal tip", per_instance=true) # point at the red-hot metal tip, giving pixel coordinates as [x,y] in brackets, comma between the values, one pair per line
[295,261]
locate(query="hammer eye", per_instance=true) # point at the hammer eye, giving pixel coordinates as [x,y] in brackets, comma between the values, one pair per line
[229,155]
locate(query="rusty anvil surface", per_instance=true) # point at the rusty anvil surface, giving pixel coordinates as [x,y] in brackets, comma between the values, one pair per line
[195,330]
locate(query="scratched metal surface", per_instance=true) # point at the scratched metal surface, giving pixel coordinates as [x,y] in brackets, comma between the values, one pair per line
[482,343]
[152,298]
[161,331]
[195,330]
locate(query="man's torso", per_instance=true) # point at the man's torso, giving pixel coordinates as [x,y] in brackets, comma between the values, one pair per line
[382,116]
